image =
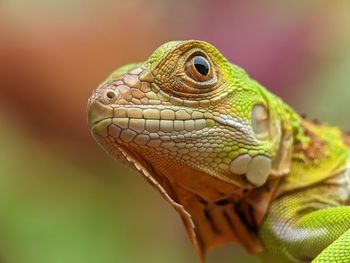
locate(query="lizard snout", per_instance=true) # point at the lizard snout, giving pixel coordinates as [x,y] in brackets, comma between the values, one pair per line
[98,112]
[100,106]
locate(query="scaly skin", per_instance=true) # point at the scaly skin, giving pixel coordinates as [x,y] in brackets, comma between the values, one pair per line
[236,162]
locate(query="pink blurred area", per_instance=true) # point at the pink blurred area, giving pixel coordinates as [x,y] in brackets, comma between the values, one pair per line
[54,53]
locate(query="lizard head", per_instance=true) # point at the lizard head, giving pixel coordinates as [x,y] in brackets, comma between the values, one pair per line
[193,123]
[188,108]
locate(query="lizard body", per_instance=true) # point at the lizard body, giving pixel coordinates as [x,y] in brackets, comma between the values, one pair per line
[236,162]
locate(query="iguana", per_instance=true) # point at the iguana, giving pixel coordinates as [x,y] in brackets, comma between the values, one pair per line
[236,162]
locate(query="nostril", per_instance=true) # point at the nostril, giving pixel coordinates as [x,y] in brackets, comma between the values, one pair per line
[111,96]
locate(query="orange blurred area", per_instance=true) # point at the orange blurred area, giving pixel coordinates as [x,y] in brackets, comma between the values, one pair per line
[62,198]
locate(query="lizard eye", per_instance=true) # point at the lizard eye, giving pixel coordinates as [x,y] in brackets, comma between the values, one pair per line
[199,69]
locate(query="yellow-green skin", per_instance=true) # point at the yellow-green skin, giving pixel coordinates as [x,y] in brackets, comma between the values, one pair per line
[307,215]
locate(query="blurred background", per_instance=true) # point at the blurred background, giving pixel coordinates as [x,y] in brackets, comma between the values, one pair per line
[62,199]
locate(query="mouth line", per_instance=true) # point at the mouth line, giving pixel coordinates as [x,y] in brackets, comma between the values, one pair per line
[99,121]
[169,119]
[175,113]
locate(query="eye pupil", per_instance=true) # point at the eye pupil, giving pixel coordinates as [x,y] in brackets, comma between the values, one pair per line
[201,65]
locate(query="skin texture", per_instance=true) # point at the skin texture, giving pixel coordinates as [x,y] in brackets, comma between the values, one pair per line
[237,163]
